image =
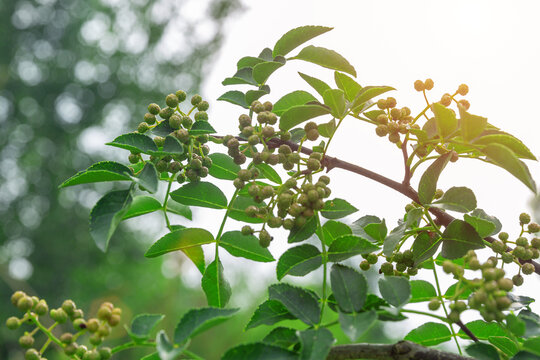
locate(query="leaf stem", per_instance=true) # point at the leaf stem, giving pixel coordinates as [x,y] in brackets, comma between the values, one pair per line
[222,226]
[426,314]
[165,204]
[325,266]
[132,344]
[46,331]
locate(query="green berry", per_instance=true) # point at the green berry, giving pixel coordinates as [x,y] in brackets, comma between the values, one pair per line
[181,95]
[66,338]
[70,349]
[238,183]
[533,228]
[172,100]
[26,341]
[69,306]
[16,296]
[203,106]
[387,268]
[196,99]
[434,304]
[159,141]
[201,116]
[247,230]
[503,236]
[264,238]
[498,246]
[175,121]
[527,268]
[507,258]
[312,134]
[25,303]
[59,315]
[105,353]
[313,164]
[524,218]
[149,119]
[12,323]
[79,323]
[517,280]
[522,241]
[32,354]
[154,109]
[364,265]
[142,128]
[166,113]
[175,167]
[453,316]
[253,140]
[505,284]
[381,130]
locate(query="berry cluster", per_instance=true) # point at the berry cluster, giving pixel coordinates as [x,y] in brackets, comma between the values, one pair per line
[193,164]
[34,308]
[394,122]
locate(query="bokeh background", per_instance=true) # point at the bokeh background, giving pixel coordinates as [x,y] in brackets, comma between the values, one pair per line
[75,74]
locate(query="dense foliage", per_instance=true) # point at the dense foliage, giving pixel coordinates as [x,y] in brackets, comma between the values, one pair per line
[171,146]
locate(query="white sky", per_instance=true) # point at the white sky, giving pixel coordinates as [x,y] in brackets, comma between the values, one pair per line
[490,45]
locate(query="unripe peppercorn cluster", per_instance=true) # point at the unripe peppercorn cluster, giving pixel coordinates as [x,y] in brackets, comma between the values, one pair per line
[399,264]
[193,163]
[108,316]
[394,122]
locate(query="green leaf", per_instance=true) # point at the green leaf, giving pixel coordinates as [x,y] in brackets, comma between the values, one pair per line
[316,343]
[393,238]
[531,321]
[335,100]
[303,232]
[298,261]
[483,330]
[269,173]
[201,128]
[142,325]
[178,240]
[424,247]
[262,71]
[179,209]
[504,344]
[502,156]
[242,76]
[319,85]
[451,291]
[196,255]
[172,146]
[148,178]
[510,142]
[428,181]
[429,334]
[246,246]
[422,290]
[202,194]
[281,336]
[252,95]
[445,119]
[295,98]
[356,324]
[460,199]
[515,325]
[141,205]
[300,113]
[238,207]
[458,238]
[215,286]
[325,58]
[471,125]
[196,321]
[296,37]
[377,231]
[347,246]
[396,290]
[269,313]
[152,356]
[259,351]
[235,97]
[484,224]
[135,142]
[165,349]
[367,93]
[349,287]
[348,85]
[482,351]
[107,214]
[300,303]
[99,172]
[337,208]
[266,54]
[248,61]
[532,345]
[327,129]
[333,229]
[162,129]
[223,167]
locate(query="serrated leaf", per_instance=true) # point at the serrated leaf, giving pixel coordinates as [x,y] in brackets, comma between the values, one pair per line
[196,255]
[172,146]
[269,173]
[223,167]
[246,246]
[142,325]
[262,71]
[429,334]
[259,351]
[316,343]
[300,303]
[355,325]
[317,84]
[483,227]
[502,156]
[377,231]
[428,181]
[393,238]
[99,172]
[458,238]
[237,210]
[460,199]
[349,288]
[333,229]
[248,61]
[135,142]
[296,37]
[471,125]
[348,85]
[242,76]
[506,345]
[295,98]
[298,261]
[281,336]
[266,54]
[215,286]
[422,290]
[178,240]
[367,93]
[424,247]
[325,58]
[396,290]
[327,129]
[196,321]
[335,100]
[202,194]
[337,208]
[148,178]
[483,330]
[107,214]
[201,128]
[482,351]
[165,349]
[347,246]
[269,313]
[515,325]
[300,113]
[142,205]
[163,128]
[531,321]
[252,95]
[234,97]
[445,119]
[301,233]
[510,142]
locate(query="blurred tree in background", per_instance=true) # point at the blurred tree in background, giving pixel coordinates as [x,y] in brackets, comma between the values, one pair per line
[73,74]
